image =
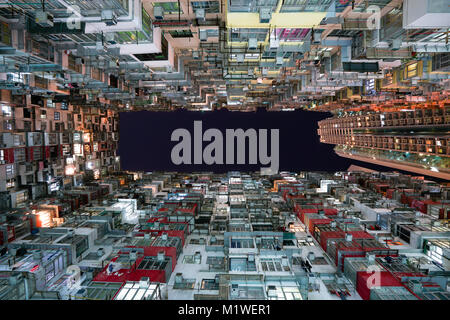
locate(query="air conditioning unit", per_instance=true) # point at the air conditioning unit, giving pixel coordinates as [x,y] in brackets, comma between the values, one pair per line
[274,43]
[112,64]
[317,37]
[109,17]
[279,61]
[252,43]
[272,291]
[264,15]
[200,14]
[133,255]
[110,38]
[44,19]
[396,44]
[99,46]
[144,282]
[158,13]
[332,20]
[203,35]
[234,289]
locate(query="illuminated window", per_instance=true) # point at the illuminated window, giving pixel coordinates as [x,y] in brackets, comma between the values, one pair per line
[50,104]
[21,197]
[77,149]
[86,137]
[15,77]
[10,183]
[7,111]
[411,70]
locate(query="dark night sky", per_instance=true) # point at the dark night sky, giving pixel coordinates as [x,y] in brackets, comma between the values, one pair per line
[145,139]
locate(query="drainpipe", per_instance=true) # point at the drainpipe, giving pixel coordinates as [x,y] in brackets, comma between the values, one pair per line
[26,288]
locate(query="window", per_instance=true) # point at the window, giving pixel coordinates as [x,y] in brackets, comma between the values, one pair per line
[7,111]
[59,126]
[269,55]
[242,243]
[181,33]
[271,264]
[26,113]
[43,114]
[2,155]
[19,154]
[209,284]
[76,137]
[10,169]
[10,183]
[152,263]
[50,104]
[27,125]
[284,34]
[281,292]
[8,125]
[30,179]
[209,6]
[169,7]
[57,116]
[244,34]
[21,197]
[15,77]
[411,70]
[77,149]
